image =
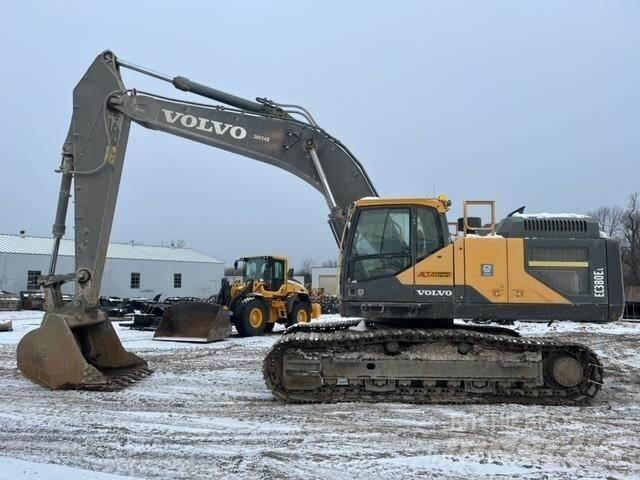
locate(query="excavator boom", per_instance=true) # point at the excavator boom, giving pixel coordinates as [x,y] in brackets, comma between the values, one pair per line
[88,353]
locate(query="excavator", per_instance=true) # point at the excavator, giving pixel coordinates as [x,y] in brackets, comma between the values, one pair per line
[402,274]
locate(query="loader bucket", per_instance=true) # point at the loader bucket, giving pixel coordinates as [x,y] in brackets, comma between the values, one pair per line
[75,351]
[199,322]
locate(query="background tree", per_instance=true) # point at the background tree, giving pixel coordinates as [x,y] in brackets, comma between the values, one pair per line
[329,263]
[631,241]
[305,266]
[610,219]
[624,224]
[232,272]
[305,269]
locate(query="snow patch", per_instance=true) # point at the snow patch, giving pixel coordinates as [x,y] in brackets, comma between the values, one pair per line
[550,215]
[206,413]
[360,327]
[488,235]
[14,469]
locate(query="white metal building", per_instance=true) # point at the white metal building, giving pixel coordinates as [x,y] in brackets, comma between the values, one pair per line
[131,270]
[238,278]
[325,278]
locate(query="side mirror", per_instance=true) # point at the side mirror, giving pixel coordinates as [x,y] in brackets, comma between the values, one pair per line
[290,273]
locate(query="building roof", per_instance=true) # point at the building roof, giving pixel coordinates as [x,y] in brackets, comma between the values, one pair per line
[23,244]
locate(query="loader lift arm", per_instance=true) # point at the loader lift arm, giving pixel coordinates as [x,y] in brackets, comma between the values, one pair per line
[92,161]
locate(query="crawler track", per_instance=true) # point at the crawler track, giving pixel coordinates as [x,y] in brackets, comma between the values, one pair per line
[309,353]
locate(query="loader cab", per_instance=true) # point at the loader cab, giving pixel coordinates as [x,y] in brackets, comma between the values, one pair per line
[271,270]
[384,241]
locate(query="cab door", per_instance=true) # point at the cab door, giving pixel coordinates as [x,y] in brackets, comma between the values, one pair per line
[276,276]
[380,248]
[433,276]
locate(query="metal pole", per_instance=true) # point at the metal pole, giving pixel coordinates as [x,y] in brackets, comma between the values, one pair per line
[59,226]
[186,85]
[321,174]
[146,71]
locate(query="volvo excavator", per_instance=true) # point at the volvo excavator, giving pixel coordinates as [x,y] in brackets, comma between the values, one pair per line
[402,274]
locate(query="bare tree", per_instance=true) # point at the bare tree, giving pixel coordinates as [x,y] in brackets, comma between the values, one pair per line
[305,267]
[631,241]
[232,272]
[610,219]
[307,263]
[329,263]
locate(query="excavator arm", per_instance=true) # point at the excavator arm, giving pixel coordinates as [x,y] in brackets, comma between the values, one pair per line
[93,155]
[94,151]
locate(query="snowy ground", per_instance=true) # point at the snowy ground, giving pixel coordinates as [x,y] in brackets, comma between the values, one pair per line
[205,413]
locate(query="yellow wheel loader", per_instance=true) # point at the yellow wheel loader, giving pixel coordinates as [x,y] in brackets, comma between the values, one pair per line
[399,269]
[266,295]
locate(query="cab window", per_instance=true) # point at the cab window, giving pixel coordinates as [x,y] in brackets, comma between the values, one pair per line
[254,269]
[381,243]
[429,232]
[383,231]
[278,275]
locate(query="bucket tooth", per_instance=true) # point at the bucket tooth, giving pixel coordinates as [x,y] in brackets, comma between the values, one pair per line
[77,350]
[199,322]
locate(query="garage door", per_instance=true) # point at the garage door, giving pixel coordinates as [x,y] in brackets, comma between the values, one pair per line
[329,283]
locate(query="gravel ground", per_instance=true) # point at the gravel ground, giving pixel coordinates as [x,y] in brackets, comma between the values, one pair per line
[206,412]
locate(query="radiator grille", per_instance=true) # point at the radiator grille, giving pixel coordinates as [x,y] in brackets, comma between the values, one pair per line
[570,279]
[559,254]
[555,225]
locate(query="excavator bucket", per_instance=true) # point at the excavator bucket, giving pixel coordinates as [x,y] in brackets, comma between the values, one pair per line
[69,351]
[199,322]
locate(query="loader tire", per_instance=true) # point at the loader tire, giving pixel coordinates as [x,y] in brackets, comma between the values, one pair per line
[301,313]
[250,317]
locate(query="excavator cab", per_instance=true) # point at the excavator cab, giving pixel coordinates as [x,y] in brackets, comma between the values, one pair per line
[385,240]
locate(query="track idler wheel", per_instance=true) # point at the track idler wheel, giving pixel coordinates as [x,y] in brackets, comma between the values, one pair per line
[566,371]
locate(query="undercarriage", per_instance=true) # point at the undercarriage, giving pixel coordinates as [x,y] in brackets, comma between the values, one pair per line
[371,362]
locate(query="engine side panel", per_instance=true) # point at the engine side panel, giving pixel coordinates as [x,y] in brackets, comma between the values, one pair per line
[550,279]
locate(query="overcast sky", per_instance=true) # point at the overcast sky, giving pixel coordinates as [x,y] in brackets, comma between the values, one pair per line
[528,103]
